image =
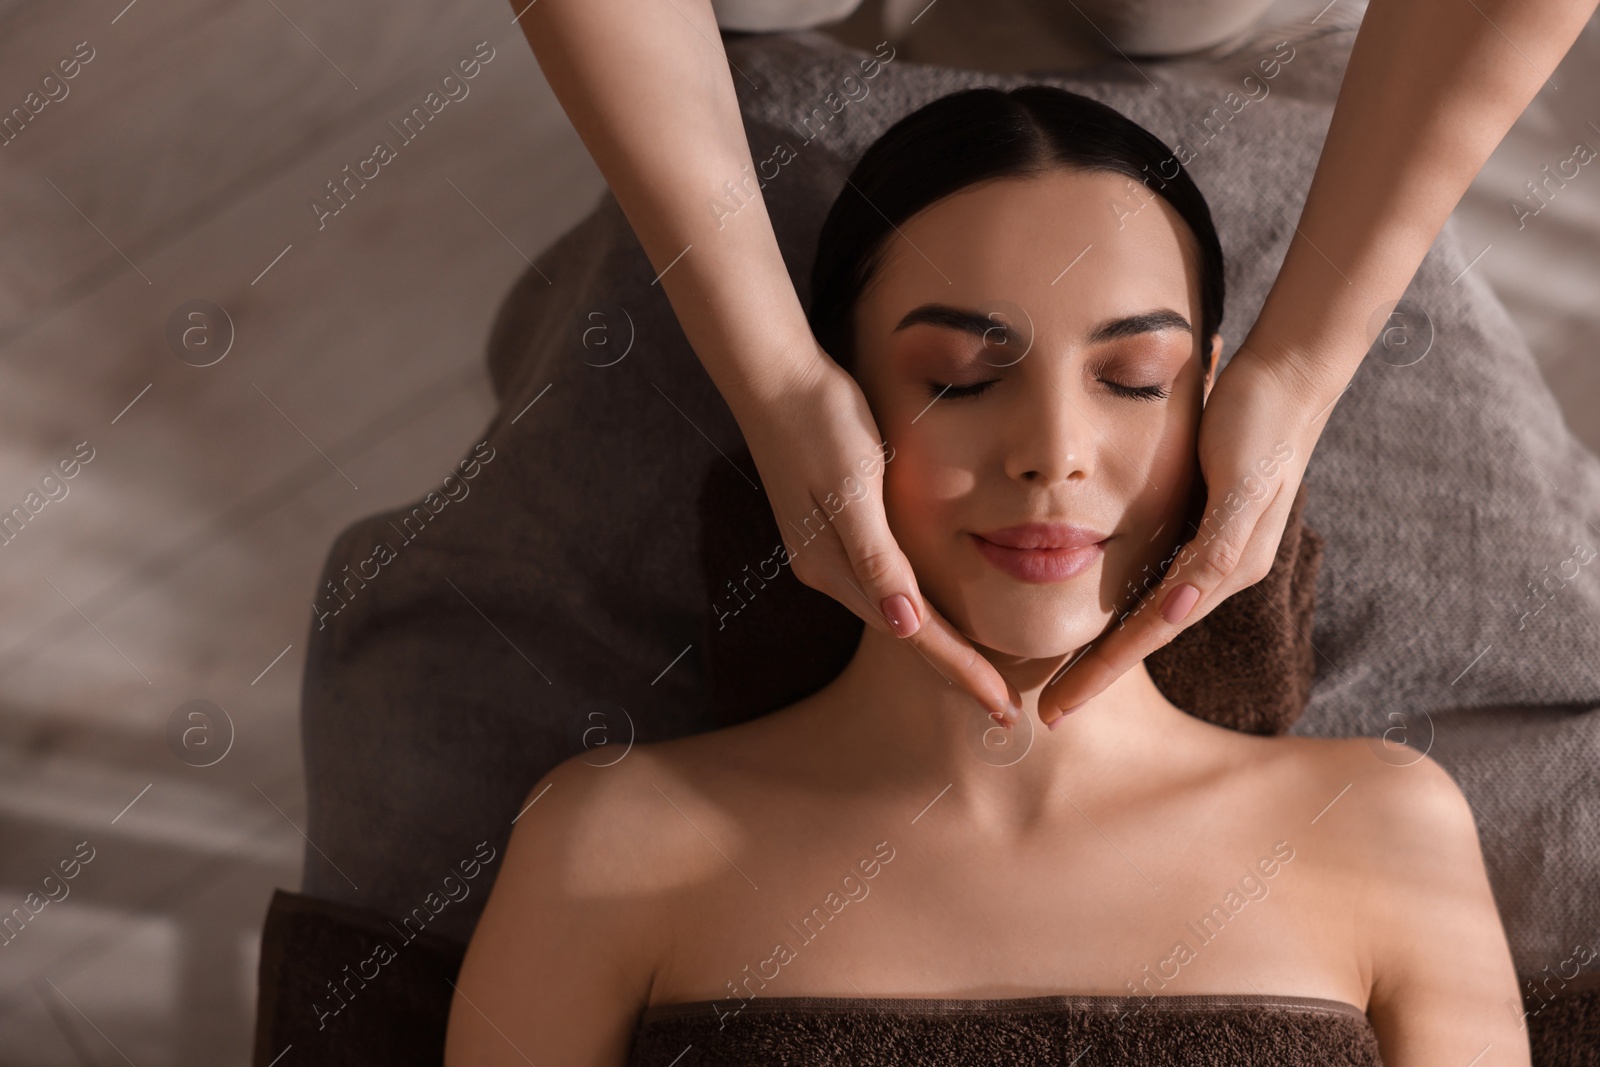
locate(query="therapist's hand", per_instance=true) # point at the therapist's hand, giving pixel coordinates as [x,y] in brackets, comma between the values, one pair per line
[1257,430]
[820,454]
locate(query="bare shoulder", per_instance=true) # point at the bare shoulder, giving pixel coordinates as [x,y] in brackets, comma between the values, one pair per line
[1443,985]
[613,826]
[1390,816]
[639,805]
[1392,793]
[1401,808]
[567,948]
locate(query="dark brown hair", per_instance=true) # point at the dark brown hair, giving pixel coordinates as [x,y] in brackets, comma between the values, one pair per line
[979,135]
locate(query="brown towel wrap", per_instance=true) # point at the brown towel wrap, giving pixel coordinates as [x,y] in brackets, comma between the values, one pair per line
[1214,1030]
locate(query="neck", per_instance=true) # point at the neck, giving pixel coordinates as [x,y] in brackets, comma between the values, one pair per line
[895,710]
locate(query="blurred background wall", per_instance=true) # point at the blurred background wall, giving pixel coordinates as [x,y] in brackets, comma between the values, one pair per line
[345,375]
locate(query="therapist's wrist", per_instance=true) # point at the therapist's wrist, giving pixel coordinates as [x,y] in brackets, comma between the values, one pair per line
[1316,375]
[765,377]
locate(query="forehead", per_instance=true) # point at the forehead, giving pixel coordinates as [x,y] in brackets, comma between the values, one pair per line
[1067,247]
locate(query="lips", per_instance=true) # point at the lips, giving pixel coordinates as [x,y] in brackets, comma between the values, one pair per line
[1042,553]
[1044,535]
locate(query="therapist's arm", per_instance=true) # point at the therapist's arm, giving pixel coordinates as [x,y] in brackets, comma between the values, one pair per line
[1431,88]
[648,87]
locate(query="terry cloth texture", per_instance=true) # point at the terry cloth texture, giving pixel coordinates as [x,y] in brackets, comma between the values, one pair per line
[349,987]
[771,639]
[1087,1031]
[561,604]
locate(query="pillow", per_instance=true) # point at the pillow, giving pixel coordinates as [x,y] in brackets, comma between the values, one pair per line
[559,607]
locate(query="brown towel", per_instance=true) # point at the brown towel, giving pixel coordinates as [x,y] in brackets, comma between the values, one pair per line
[771,639]
[1227,1030]
[1249,664]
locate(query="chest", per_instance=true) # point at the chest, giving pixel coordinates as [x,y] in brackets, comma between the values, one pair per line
[1185,900]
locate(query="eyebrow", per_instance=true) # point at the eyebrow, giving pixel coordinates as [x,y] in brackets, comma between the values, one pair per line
[980,325]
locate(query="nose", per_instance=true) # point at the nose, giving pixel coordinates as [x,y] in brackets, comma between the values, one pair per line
[1052,439]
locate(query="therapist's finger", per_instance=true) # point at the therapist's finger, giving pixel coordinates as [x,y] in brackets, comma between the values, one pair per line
[888,587]
[1205,572]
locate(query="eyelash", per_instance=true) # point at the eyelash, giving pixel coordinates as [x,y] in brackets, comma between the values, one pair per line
[1131,392]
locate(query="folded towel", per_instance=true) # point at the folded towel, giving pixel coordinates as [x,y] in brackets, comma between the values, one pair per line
[1562,1017]
[1226,1030]
[771,640]
[1249,664]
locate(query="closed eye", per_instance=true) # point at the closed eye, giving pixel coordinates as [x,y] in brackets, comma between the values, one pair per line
[936,390]
[942,389]
[1138,392]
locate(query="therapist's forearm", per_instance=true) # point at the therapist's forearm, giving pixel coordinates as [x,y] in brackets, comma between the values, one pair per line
[648,87]
[1431,88]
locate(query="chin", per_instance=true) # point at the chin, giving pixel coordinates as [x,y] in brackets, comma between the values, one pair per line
[1045,628]
[1043,642]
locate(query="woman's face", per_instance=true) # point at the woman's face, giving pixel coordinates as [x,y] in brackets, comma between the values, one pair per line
[1085,412]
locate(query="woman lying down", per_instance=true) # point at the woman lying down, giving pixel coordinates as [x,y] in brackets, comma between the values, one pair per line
[856,879]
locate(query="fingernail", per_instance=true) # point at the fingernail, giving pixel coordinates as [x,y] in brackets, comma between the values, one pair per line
[999,718]
[1179,603]
[1059,719]
[900,615]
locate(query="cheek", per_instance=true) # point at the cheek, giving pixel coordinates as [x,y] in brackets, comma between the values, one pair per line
[1173,465]
[1167,474]
[919,486]
[925,484]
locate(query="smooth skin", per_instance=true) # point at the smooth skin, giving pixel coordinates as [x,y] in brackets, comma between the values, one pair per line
[1009,862]
[1431,88]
